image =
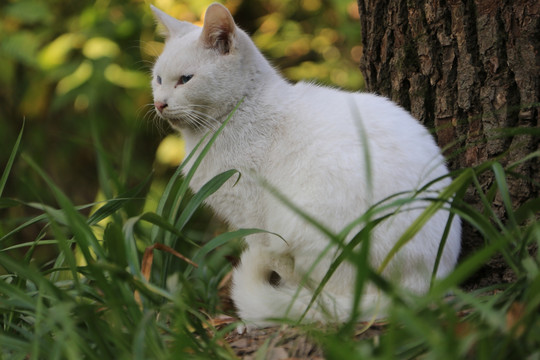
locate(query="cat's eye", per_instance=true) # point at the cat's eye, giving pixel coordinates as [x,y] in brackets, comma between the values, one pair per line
[184,79]
[158,79]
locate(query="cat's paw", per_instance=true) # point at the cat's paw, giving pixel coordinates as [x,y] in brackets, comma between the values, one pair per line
[242,329]
[246,328]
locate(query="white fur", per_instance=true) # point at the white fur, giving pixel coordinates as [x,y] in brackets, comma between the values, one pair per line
[305,141]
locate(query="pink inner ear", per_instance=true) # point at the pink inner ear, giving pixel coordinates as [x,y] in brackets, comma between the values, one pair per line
[218,29]
[222,41]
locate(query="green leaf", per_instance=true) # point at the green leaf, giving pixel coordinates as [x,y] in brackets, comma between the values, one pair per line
[30,11]
[21,47]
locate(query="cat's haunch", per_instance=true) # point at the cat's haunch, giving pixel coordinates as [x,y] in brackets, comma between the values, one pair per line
[333,154]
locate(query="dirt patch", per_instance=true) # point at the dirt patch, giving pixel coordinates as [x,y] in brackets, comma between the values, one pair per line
[283,342]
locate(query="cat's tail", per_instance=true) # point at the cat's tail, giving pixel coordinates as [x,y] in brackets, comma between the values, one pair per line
[266,287]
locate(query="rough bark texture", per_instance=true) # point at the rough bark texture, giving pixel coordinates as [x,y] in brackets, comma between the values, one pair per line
[465,68]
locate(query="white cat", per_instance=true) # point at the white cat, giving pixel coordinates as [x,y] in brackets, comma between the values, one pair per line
[309,143]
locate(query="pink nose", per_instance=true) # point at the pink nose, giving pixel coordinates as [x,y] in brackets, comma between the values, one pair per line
[160,105]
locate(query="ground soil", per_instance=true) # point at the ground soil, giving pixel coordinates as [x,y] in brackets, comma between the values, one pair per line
[283,342]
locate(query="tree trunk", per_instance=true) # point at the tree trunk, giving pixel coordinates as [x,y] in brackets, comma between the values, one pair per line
[466,69]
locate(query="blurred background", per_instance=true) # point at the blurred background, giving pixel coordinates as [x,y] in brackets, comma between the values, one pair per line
[77,74]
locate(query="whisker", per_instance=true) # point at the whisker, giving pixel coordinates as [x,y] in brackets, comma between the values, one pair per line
[197,117]
[142,108]
[151,117]
[209,121]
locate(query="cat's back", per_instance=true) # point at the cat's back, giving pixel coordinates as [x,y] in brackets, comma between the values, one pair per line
[340,116]
[335,130]
[342,111]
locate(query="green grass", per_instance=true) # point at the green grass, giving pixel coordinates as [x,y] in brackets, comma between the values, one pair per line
[82,304]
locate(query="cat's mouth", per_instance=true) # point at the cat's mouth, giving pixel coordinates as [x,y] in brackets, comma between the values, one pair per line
[162,114]
[192,117]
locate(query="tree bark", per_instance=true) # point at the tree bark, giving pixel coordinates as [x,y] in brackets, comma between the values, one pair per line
[466,69]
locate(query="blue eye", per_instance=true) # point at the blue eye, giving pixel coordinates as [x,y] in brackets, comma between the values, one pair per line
[184,79]
[158,79]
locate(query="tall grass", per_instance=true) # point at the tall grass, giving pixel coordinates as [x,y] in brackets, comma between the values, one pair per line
[96,301]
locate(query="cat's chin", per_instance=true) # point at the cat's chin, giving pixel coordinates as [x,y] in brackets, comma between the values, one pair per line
[179,124]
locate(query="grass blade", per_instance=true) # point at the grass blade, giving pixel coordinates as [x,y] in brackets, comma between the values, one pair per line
[82,232]
[180,195]
[113,205]
[460,182]
[11,159]
[500,179]
[222,239]
[196,201]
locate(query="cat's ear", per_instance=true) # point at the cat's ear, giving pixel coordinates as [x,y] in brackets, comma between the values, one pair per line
[218,29]
[171,26]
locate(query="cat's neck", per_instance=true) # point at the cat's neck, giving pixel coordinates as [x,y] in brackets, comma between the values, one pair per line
[263,83]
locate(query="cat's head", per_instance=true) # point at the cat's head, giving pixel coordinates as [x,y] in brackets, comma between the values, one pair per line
[203,72]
